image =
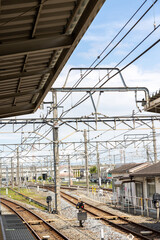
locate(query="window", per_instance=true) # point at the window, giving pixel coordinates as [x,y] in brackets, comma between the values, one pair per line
[151,189]
[139,190]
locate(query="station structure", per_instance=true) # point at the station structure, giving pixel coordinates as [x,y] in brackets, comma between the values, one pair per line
[37,38]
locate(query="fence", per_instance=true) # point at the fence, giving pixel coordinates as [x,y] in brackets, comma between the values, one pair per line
[130,204]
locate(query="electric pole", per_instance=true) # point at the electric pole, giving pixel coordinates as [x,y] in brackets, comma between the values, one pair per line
[98,165]
[69,171]
[154,141]
[18,183]
[86,160]
[147,153]
[56,154]
[12,173]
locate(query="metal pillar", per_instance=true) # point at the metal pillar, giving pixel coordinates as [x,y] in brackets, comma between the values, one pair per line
[86,160]
[147,153]
[18,182]
[7,175]
[41,170]
[21,177]
[154,141]
[51,170]
[69,171]
[124,156]
[7,180]
[35,171]
[98,165]
[56,155]
[12,173]
[48,168]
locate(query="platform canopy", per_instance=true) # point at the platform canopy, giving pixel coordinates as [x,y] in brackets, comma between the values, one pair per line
[36,39]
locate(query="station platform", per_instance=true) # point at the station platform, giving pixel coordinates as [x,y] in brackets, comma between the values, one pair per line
[12,228]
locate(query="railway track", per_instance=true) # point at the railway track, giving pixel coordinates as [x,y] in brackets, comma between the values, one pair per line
[72,188]
[38,226]
[122,223]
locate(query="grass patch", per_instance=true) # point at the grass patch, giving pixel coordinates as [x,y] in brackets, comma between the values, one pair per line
[16,196]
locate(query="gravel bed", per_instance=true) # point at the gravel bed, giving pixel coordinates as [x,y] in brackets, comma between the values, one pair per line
[146,221]
[68,224]
[91,227]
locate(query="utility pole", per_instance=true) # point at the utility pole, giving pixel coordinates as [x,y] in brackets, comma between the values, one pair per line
[86,159]
[35,171]
[56,154]
[41,170]
[18,183]
[124,156]
[121,152]
[51,170]
[7,180]
[12,173]
[114,157]
[47,167]
[154,141]
[21,178]
[69,171]
[98,165]
[147,153]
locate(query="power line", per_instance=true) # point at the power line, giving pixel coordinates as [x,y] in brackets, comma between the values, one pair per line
[85,74]
[85,97]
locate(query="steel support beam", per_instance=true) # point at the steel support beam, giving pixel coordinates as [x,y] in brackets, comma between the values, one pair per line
[137,119]
[24,74]
[103,89]
[19,94]
[12,111]
[35,45]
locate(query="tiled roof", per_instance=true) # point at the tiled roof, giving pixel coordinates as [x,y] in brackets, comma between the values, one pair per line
[153,170]
[125,168]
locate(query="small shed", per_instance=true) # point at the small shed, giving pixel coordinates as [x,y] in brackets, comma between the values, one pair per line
[147,182]
[123,183]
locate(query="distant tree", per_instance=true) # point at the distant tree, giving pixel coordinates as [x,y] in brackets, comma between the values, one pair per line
[49,179]
[40,178]
[93,170]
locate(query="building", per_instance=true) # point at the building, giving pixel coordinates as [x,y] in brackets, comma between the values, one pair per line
[134,186]
[64,173]
[147,182]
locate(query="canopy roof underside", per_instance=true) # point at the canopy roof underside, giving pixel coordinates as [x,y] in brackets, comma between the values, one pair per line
[36,39]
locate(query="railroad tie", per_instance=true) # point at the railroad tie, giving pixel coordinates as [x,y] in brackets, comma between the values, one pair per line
[45,237]
[36,222]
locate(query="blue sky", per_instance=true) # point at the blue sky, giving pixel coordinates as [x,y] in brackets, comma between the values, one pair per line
[112,16]
[145,72]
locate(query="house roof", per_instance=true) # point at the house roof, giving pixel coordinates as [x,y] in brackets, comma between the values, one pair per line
[36,40]
[125,168]
[153,170]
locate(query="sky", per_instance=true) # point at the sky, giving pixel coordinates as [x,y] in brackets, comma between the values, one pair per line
[110,19]
[145,72]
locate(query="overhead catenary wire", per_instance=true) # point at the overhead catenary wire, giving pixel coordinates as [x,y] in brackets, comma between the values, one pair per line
[87,72]
[85,97]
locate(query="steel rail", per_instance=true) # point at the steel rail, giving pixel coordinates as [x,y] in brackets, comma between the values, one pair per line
[74,200]
[35,215]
